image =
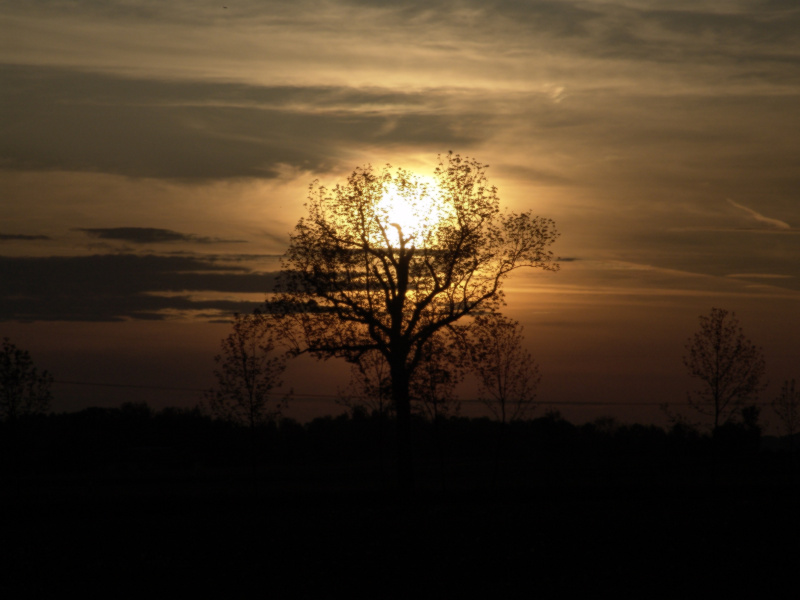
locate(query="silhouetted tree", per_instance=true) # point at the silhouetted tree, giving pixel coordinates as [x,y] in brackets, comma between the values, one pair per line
[370,391]
[23,389]
[370,387]
[787,407]
[385,261]
[508,376]
[729,366]
[249,371]
[433,385]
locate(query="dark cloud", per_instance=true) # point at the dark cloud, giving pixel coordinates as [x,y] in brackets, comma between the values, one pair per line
[628,30]
[176,12]
[22,237]
[280,240]
[150,235]
[67,119]
[763,26]
[556,17]
[122,286]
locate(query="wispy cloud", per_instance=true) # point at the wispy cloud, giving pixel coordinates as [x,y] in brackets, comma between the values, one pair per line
[760,276]
[150,235]
[770,222]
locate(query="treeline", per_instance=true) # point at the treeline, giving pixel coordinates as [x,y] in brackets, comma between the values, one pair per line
[455,450]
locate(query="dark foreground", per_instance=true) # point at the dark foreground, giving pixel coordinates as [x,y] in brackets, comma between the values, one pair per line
[226,533]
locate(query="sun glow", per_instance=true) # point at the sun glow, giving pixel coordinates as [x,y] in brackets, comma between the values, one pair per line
[415,207]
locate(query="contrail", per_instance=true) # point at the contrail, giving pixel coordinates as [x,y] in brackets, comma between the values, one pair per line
[761,218]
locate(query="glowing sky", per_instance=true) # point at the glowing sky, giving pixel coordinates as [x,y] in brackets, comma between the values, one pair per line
[154,157]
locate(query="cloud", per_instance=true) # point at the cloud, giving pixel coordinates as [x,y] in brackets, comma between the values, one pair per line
[22,237]
[279,239]
[201,131]
[437,42]
[150,235]
[760,276]
[770,222]
[116,287]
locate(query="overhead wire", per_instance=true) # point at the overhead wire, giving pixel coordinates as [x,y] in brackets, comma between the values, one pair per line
[314,396]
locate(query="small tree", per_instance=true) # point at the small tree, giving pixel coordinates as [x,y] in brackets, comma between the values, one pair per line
[23,390]
[370,389]
[249,370]
[508,376]
[729,366]
[433,385]
[787,407]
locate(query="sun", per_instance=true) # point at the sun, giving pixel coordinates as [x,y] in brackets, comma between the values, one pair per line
[413,206]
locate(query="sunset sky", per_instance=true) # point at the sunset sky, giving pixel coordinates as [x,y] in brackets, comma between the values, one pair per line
[154,157]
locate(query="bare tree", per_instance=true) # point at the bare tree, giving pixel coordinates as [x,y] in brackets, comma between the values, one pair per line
[370,390]
[729,366]
[433,385]
[386,260]
[23,389]
[787,407]
[370,387]
[249,371]
[508,375]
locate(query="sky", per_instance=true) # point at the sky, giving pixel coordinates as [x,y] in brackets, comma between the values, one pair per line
[155,156]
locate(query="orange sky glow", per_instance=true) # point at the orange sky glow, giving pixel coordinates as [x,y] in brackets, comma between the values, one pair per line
[154,158]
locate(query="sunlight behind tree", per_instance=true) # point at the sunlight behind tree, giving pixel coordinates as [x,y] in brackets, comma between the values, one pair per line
[355,281]
[412,207]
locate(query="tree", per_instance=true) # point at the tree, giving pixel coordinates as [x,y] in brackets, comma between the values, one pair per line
[370,392]
[249,370]
[433,384]
[787,407]
[385,261]
[729,366]
[508,376]
[370,387]
[23,390]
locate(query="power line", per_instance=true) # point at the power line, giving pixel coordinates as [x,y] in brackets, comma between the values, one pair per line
[130,386]
[312,396]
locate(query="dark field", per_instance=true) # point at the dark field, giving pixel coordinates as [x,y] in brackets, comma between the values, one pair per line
[187,532]
[103,505]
